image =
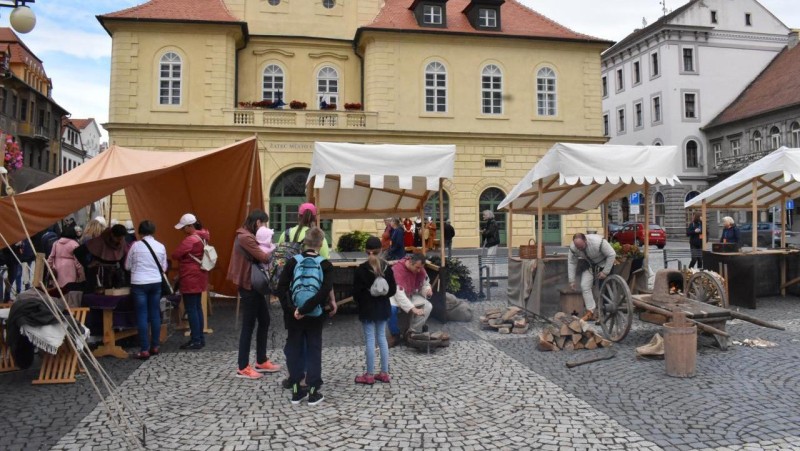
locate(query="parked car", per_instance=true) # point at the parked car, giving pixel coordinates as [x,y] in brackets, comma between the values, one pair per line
[633,233]
[768,234]
[613,228]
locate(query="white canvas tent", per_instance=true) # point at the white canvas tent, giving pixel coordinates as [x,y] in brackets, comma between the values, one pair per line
[768,182]
[573,178]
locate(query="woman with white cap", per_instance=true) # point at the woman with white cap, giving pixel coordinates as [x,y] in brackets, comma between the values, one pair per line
[192,279]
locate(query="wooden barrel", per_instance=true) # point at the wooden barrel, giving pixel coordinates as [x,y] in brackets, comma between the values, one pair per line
[680,350]
[571,302]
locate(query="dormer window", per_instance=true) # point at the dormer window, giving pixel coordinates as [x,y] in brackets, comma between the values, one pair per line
[487,18]
[484,14]
[432,15]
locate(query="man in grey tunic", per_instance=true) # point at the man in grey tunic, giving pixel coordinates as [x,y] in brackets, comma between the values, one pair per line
[585,252]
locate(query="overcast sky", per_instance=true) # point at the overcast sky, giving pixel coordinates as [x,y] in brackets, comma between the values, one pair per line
[76,50]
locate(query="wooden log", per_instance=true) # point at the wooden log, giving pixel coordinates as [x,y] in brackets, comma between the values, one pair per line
[575,325]
[754,320]
[545,345]
[547,336]
[560,341]
[576,338]
[579,345]
[556,331]
[569,345]
[590,344]
[591,359]
[605,343]
[565,330]
[510,313]
[668,314]
[558,316]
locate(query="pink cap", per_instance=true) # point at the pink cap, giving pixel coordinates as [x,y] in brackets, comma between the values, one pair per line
[308,206]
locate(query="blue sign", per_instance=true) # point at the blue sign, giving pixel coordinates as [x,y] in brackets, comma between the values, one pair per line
[790,204]
[635,198]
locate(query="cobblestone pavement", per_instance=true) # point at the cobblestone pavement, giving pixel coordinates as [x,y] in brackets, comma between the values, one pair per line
[485,391]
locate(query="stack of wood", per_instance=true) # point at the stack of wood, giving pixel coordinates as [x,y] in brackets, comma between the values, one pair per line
[569,333]
[512,320]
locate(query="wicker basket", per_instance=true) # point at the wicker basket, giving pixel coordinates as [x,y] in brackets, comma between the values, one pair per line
[528,251]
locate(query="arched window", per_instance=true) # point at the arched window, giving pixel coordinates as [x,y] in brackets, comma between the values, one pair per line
[775,137]
[691,195]
[285,196]
[658,142]
[659,209]
[756,141]
[169,79]
[273,83]
[795,135]
[546,92]
[329,3]
[435,88]
[489,200]
[692,157]
[491,90]
[432,206]
[328,86]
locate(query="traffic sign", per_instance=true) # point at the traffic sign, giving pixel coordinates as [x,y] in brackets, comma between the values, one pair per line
[790,204]
[635,198]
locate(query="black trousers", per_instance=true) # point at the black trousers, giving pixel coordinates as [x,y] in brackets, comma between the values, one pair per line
[304,351]
[255,307]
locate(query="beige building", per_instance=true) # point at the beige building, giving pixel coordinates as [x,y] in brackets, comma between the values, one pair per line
[493,77]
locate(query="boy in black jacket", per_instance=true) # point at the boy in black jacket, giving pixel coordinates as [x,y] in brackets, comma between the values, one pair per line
[304,323]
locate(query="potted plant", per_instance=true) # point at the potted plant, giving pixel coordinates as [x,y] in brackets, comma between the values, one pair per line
[262,104]
[245,104]
[353,106]
[297,105]
[330,106]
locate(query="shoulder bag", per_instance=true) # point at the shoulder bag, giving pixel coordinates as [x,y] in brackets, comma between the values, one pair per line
[166,288]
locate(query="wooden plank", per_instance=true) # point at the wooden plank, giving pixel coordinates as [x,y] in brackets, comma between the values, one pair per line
[61,368]
[651,308]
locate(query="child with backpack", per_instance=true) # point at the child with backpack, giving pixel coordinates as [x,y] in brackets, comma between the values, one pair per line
[373,285]
[304,288]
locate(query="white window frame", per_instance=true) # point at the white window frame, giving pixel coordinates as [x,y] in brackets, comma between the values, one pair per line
[170,87]
[604,85]
[493,93]
[736,147]
[692,60]
[775,138]
[328,82]
[277,83]
[656,109]
[794,131]
[717,148]
[758,141]
[546,92]
[638,115]
[606,124]
[696,154]
[620,118]
[636,72]
[432,15]
[695,104]
[619,79]
[655,65]
[487,18]
[435,82]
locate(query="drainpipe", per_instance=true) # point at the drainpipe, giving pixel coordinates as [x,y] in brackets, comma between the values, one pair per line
[361,69]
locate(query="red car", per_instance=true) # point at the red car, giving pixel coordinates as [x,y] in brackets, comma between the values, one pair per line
[633,233]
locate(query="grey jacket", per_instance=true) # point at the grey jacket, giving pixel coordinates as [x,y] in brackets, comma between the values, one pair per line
[597,252]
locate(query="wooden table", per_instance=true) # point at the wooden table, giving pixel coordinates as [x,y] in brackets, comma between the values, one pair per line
[708,314]
[107,304]
[751,274]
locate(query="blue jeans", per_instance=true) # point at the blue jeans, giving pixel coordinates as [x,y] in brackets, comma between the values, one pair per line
[394,328]
[194,310]
[255,307]
[371,330]
[147,298]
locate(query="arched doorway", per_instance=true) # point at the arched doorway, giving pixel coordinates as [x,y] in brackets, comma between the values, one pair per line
[287,193]
[489,200]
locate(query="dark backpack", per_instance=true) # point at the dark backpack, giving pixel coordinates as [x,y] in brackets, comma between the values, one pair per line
[280,256]
[307,282]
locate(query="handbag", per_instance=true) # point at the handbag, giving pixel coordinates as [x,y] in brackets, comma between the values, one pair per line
[259,278]
[166,287]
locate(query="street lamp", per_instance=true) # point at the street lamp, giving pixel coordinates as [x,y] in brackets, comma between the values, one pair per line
[22,17]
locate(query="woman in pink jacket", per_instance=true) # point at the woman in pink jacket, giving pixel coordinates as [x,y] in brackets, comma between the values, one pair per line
[67,268]
[193,280]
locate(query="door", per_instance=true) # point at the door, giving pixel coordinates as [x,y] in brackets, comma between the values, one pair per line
[551,232]
[287,194]
[489,200]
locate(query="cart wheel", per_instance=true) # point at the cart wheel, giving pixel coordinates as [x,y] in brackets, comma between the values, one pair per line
[704,287]
[615,308]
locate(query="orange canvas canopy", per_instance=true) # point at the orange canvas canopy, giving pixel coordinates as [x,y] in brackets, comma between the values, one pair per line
[218,186]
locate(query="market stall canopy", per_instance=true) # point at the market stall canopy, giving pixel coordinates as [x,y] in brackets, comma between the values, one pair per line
[776,175]
[159,186]
[580,177]
[377,180]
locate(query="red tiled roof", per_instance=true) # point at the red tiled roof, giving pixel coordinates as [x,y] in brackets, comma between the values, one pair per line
[82,123]
[776,87]
[515,20]
[177,10]
[20,53]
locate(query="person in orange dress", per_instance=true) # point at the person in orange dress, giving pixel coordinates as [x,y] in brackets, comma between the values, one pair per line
[408,232]
[430,238]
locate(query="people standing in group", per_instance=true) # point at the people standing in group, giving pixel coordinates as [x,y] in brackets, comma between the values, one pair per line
[695,233]
[192,279]
[247,250]
[67,268]
[373,285]
[449,234]
[397,248]
[147,262]
[730,233]
[304,288]
[413,292]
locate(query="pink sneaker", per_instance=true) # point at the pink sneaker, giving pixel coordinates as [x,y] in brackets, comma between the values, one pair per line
[365,379]
[267,367]
[383,377]
[248,373]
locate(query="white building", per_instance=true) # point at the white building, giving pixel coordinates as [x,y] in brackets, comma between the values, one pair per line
[72,153]
[664,82]
[90,136]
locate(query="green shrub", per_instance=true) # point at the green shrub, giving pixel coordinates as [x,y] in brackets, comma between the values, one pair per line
[352,242]
[458,277]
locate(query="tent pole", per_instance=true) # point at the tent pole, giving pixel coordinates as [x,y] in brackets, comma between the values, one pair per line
[250,178]
[783,245]
[110,207]
[539,221]
[441,223]
[646,221]
[422,232]
[604,221]
[704,226]
[316,201]
[755,215]
[510,229]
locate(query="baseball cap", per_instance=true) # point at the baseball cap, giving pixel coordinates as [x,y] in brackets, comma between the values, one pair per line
[187,219]
[308,206]
[101,220]
[129,226]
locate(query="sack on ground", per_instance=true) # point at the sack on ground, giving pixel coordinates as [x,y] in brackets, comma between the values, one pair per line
[307,282]
[259,279]
[457,309]
[283,253]
[379,287]
[209,260]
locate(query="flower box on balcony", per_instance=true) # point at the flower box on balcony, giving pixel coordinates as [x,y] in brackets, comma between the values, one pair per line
[297,105]
[353,106]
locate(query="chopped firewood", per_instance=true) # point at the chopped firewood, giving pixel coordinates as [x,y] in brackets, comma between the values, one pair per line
[554,330]
[590,344]
[510,313]
[504,330]
[558,316]
[605,343]
[492,311]
[546,345]
[575,325]
[483,319]
[565,330]
[585,327]
[520,330]
[576,338]
[522,322]
[569,346]
[579,345]
[547,336]
[560,341]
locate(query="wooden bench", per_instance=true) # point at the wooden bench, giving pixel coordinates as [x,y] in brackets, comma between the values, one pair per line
[676,255]
[485,265]
[6,359]
[61,368]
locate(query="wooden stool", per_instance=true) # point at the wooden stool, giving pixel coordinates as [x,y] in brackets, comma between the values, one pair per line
[6,359]
[571,302]
[60,368]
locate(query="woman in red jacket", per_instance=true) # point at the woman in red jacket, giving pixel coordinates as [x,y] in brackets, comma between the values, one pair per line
[193,280]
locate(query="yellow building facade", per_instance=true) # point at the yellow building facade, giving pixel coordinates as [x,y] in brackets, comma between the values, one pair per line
[186,80]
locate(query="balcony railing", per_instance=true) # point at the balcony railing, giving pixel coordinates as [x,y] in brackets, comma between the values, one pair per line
[301,119]
[739,161]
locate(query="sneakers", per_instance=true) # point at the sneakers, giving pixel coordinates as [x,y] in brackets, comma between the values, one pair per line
[298,394]
[248,373]
[365,379]
[287,384]
[314,397]
[142,355]
[267,367]
[192,345]
[383,377]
